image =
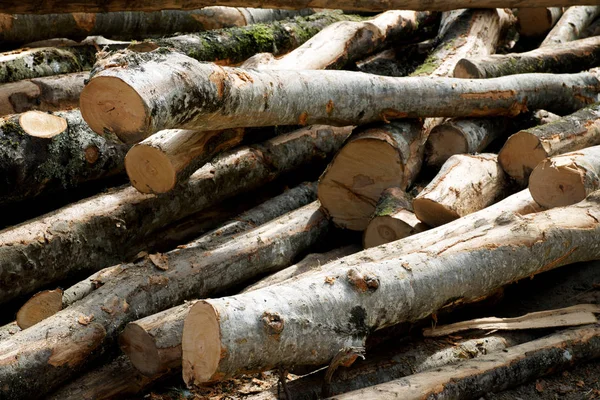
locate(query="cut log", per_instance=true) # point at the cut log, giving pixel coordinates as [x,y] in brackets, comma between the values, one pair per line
[41,153]
[343,42]
[566,179]
[58,347]
[571,24]
[39,307]
[560,58]
[111,227]
[119,100]
[465,184]
[524,150]
[52,93]
[393,219]
[23,28]
[493,372]
[308,321]
[537,21]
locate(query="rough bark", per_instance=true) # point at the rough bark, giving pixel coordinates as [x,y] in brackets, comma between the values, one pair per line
[177,91]
[36,157]
[308,321]
[465,184]
[524,150]
[52,93]
[398,61]
[537,21]
[58,347]
[571,24]
[566,179]
[108,228]
[393,219]
[24,28]
[493,372]
[344,42]
[592,30]
[561,58]
[8,330]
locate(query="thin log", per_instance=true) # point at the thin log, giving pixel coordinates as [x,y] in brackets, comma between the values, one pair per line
[314,318]
[571,24]
[493,372]
[41,153]
[560,58]
[537,21]
[108,228]
[117,99]
[393,219]
[465,184]
[566,179]
[524,150]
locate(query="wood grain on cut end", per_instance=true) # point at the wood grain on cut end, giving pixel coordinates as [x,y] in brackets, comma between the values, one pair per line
[140,348]
[433,213]
[389,228]
[201,344]
[108,103]
[466,69]
[41,124]
[521,153]
[150,170]
[39,307]
[444,141]
[554,183]
[537,21]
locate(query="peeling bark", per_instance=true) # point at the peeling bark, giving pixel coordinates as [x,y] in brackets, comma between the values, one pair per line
[537,21]
[571,24]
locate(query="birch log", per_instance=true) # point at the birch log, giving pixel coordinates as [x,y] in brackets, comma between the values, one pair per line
[465,184]
[524,150]
[108,228]
[566,179]
[308,321]
[571,24]
[41,152]
[177,91]
[537,21]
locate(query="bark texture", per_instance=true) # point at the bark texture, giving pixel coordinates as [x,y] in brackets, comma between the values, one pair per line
[465,184]
[524,150]
[108,228]
[177,91]
[8,330]
[288,325]
[537,21]
[561,58]
[31,165]
[571,24]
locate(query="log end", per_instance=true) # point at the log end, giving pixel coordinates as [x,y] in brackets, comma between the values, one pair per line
[150,170]
[557,184]
[42,125]
[382,230]
[108,104]
[444,141]
[534,21]
[201,344]
[41,306]
[467,69]
[521,153]
[433,213]
[141,349]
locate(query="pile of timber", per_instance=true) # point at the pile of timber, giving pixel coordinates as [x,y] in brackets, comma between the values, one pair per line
[158,155]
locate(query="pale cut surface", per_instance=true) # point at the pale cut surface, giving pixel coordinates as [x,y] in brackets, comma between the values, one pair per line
[521,153]
[150,170]
[557,184]
[389,228]
[444,141]
[139,347]
[41,124]
[39,307]
[202,340]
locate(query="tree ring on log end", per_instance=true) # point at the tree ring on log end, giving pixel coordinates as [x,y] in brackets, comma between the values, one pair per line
[521,153]
[201,344]
[41,306]
[141,349]
[433,213]
[466,69]
[445,141]
[149,169]
[42,125]
[554,184]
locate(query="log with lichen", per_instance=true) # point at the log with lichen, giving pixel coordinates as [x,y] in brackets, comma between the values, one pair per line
[572,23]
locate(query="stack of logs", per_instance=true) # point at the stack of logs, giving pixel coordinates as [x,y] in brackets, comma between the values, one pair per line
[252,137]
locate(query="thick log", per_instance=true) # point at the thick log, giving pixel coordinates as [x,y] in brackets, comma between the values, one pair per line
[393,219]
[560,58]
[343,42]
[308,321]
[465,184]
[566,179]
[494,372]
[537,21]
[42,152]
[120,100]
[24,28]
[51,93]
[108,228]
[398,61]
[40,306]
[6,331]
[58,347]
[571,24]
[524,150]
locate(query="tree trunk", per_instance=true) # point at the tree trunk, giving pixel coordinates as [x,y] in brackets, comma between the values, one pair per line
[343,42]
[393,219]
[398,61]
[42,152]
[494,372]
[571,24]
[24,28]
[8,330]
[52,93]
[566,179]
[177,91]
[308,321]
[561,58]
[593,29]
[524,150]
[108,228]
[537,21]
[465,184]
[58,347]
